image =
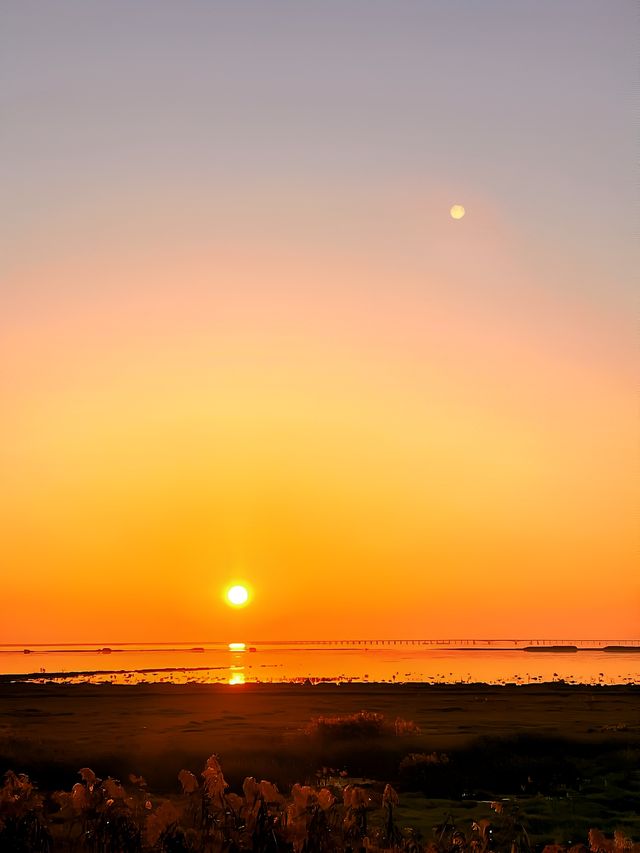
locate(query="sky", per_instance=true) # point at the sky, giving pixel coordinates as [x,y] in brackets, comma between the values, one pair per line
[242,340]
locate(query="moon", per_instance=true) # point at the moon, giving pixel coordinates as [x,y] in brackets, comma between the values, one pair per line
[457,211]
[237,596]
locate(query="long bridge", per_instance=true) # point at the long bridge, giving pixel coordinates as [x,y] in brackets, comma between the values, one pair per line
[470,644]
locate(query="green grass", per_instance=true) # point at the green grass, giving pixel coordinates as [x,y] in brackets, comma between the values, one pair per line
[547,820]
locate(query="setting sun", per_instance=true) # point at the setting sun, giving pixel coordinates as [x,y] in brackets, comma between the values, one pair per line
[237,596]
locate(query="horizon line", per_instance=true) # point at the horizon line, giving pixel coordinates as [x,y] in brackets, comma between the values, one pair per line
[355,640]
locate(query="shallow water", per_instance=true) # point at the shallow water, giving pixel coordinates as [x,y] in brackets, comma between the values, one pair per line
[490,661]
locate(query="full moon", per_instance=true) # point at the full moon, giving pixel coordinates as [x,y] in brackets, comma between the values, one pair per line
[237,596]
[457,211]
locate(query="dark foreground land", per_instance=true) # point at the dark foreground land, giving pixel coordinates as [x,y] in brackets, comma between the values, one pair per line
[567,757]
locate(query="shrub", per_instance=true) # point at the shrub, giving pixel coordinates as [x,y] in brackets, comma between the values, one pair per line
[429,773]
[363,724]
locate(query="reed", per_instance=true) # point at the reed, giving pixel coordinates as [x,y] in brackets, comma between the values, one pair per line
[204,816]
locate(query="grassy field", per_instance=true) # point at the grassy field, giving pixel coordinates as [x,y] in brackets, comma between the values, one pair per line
[567,757]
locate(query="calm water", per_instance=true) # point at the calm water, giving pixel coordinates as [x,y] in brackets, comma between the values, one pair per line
[490,661]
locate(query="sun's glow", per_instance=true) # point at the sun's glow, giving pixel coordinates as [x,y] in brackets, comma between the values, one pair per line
[237,596]
[457,211]
[237,647]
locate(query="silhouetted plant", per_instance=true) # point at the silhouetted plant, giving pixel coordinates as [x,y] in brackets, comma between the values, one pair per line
[22,827]
[106,817]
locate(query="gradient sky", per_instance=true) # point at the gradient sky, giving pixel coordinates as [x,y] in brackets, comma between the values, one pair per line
[241,337]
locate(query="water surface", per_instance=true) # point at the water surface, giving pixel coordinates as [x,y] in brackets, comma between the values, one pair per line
[431,661]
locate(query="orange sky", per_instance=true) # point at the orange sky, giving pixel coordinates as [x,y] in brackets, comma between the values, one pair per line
[388,423]
[372,460]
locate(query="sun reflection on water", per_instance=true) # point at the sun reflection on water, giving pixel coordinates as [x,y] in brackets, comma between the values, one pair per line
[236,676]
